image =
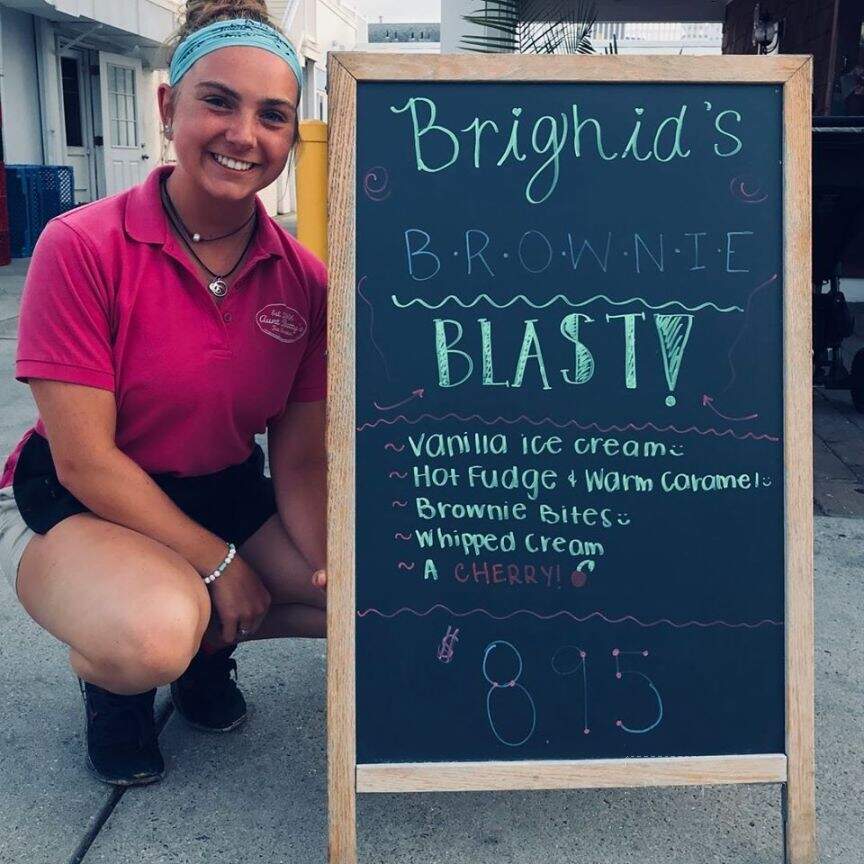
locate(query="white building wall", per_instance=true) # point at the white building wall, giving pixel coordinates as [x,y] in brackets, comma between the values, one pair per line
[151,125]
[315,27]
[19,91]
[49,92]
[684,47]
[453,28]
[152,19]
[339,28]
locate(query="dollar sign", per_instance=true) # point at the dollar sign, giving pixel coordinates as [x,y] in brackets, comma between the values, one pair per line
[445,649]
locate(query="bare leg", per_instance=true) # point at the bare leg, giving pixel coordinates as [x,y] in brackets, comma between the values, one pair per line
[131,610]
[299,608]
[283,620]
[293,619]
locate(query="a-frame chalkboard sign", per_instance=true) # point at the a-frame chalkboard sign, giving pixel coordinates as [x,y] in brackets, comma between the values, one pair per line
[570,534]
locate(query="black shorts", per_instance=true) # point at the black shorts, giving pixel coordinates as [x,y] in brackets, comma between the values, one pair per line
[233,503]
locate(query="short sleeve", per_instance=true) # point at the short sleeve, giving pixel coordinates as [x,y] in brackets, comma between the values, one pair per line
[64,330]
[310,382]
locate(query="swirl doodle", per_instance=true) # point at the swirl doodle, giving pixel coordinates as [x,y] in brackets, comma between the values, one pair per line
[376,183]
[747,190]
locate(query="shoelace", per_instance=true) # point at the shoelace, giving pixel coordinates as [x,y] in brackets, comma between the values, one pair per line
[118,719]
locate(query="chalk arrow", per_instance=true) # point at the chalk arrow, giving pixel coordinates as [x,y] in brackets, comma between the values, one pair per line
[415,394]
[708,402]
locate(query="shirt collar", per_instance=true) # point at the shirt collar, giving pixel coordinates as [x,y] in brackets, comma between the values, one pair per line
[146,222]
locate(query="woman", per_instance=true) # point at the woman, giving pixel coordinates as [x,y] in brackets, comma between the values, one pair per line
[160,330]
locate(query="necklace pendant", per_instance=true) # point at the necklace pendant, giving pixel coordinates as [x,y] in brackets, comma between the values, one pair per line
[196,238]
[218,287]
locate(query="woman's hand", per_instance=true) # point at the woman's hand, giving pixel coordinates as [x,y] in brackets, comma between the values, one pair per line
[240,600]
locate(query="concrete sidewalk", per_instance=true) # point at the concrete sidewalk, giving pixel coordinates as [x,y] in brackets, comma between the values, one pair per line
[259,795]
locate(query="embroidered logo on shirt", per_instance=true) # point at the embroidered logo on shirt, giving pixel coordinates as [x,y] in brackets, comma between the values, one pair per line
[281,322]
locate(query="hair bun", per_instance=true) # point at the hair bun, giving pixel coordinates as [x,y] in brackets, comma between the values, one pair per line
[200,13]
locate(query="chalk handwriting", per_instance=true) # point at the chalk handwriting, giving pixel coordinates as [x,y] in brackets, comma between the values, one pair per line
[535,253]
[548,139]
[571,660]
[456,365]
[505,695]
[620,672]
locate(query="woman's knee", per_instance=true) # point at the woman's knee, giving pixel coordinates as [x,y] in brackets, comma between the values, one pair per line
[154,646]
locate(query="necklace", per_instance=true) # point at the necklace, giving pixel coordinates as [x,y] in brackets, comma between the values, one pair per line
[217,286]
[194,236]
[197,238]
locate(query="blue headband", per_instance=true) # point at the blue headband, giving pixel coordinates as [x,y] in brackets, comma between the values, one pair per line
[224,34]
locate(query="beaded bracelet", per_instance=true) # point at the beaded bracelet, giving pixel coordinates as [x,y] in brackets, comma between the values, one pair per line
[232,551]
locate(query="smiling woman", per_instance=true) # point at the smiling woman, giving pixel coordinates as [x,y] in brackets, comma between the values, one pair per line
[230,108]
[160,331]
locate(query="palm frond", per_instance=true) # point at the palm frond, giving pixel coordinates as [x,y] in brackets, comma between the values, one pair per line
[533,27]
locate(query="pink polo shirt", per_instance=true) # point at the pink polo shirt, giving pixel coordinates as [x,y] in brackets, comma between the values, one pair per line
[111,301]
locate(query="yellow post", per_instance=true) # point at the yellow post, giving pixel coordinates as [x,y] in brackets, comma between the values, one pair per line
[311,180]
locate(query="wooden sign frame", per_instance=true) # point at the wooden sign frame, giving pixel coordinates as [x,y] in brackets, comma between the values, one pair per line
[794,768]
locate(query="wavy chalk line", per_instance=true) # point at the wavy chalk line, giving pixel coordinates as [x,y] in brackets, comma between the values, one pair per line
[458,300]
[628,427]
[406,610]
[372,326]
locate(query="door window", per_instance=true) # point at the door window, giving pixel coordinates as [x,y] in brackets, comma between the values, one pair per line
[72,101]
[121,106]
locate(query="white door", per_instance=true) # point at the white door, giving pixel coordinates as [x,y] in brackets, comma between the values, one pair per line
[77,134]
[120,79]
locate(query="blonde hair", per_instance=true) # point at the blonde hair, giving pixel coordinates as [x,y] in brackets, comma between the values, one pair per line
[200,13]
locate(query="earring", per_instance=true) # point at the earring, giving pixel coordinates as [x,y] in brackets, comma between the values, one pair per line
[168,129]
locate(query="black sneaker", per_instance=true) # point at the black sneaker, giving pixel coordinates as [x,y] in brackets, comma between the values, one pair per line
[206,695]
[122,748]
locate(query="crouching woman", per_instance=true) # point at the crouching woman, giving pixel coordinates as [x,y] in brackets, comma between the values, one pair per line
[160,330]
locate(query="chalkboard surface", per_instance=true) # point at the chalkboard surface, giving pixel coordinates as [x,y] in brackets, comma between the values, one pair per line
[569,396]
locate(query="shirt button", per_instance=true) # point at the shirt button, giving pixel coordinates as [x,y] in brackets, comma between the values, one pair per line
[227,317]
